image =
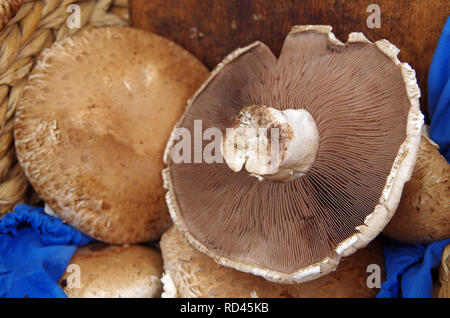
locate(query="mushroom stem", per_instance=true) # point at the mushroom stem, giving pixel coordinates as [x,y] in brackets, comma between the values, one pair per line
[272,144]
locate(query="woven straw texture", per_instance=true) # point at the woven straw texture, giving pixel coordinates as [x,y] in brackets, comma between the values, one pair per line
[26,28]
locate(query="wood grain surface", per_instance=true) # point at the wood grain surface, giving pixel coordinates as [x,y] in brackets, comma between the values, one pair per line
[210,29]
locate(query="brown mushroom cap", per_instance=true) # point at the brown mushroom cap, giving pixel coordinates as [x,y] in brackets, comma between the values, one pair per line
[114,272]
[92,125]
[365,106]
[444,274]
[423,215]
[189,273]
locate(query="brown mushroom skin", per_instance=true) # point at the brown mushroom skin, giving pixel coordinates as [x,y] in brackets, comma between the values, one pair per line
[442,288]
[115,271]
[423,215]
[208,279]
[92,124]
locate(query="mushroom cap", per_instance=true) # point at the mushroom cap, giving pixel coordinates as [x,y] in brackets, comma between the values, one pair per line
[444,274]
[189,273]
[423,215]
[92,125]
[366,107]
[108,271]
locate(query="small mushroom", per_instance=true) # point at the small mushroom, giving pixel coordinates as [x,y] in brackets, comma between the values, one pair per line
[92,125]
[349,126]
[444,274]
[107,271]
[423,215]
[189,273]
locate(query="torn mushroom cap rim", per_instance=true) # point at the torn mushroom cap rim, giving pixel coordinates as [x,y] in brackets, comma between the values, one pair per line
[400,173]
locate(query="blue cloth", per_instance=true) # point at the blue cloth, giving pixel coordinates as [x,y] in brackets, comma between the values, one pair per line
[408,269]
[439,93]
[35,250]
[408,266]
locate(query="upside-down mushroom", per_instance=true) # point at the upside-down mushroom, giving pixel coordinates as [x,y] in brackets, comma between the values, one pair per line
[92,125]
[99,270]
[189,273]
[349,126]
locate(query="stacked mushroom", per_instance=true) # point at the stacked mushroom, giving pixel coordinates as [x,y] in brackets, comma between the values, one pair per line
[90,132]
[347,129]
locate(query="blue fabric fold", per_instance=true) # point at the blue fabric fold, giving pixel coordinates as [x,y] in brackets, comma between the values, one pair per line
[408,269]
[439,93]
[35,250]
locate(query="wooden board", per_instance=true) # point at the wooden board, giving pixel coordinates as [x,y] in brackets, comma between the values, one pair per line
[210,29]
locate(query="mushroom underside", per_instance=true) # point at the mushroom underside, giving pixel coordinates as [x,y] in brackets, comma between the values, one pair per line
[357,97]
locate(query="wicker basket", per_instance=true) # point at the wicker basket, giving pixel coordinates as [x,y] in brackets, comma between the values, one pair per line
[26,28]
